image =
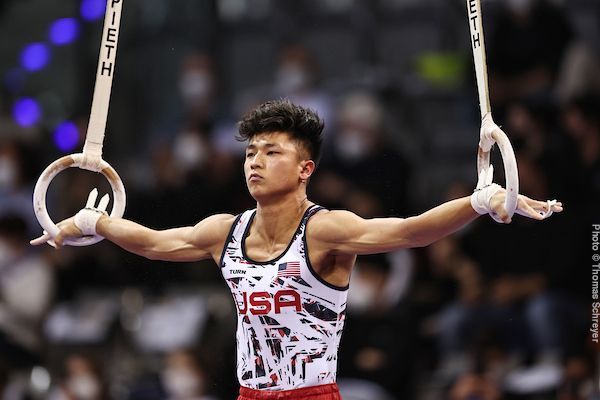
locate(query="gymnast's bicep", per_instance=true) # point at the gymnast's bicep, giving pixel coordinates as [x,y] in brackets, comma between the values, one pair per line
[344,232]
[194,243]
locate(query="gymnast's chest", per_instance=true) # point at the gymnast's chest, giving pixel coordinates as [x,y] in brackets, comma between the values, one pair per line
[244,276]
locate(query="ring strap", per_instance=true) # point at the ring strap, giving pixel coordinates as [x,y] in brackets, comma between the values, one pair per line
[92,149]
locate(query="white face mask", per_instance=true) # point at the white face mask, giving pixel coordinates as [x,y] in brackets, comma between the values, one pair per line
[195,86]
[351,145]
[291,78]
[8,173]
[84,387]
[189,150]
[362,294]
[181,383]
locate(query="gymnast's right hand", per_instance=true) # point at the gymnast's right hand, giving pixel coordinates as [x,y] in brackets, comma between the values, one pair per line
[82,224]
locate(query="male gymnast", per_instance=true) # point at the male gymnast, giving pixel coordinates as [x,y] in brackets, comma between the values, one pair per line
[288,262]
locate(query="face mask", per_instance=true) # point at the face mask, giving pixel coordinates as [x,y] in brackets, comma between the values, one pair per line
[189,151]
[291,78]
[84,387]
[362,295]
[195,86]
[351,145]
[181,383]
[8,173]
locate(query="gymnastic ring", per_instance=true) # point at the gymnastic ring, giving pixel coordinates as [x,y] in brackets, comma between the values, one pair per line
[41,187]
[511,172]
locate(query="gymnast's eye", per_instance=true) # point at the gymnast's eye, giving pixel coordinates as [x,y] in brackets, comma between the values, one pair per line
[249,154]
[270,153]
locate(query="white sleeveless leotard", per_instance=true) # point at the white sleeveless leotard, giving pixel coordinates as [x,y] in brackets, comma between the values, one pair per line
[289,319]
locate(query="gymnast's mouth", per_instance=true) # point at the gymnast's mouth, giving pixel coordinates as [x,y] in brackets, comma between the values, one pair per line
[254,177]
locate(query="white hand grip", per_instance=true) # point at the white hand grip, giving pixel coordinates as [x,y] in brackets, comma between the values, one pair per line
[41,188]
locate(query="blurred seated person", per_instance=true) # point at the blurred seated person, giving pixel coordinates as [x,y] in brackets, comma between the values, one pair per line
[82,380]
[474,386]
[17,161]
[26,290]
[361,170]
[380,330]
[182,377]
[297,79]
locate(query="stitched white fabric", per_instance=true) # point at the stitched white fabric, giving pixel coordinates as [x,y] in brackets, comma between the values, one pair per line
[480,199]
[86,220]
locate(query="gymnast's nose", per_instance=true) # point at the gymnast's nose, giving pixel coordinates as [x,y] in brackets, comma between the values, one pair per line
[257,161]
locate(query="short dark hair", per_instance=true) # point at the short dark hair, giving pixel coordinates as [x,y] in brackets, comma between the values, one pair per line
[303,124]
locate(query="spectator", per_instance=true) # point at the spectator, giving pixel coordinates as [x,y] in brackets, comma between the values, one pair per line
[463,319]
[579,73]
[181,377]
[83,380]
[184,378]
[297,79]
[578,383]
[474,386]
[381,322]
[26,290]
[17,160]
[352,169]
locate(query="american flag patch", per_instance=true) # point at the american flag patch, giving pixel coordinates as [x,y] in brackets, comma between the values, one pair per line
[291,268]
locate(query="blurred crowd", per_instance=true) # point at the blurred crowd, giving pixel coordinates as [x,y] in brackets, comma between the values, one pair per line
[492,312]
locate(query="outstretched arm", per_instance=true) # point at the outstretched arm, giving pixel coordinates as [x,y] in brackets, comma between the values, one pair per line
[192,243]
[347,233]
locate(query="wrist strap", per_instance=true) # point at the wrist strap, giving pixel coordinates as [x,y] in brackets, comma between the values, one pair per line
[480,200]
[87,219]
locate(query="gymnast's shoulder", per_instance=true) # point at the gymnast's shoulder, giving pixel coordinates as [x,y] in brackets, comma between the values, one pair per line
[326,224]
[216,226]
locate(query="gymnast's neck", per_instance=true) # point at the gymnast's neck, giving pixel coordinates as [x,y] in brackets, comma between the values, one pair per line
[275,216]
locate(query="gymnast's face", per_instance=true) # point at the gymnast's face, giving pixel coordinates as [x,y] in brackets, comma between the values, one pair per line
[275,165]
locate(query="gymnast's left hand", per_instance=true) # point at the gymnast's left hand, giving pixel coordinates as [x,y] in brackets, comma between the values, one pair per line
[489,198]
[82,224]
[68,230]
[526,207]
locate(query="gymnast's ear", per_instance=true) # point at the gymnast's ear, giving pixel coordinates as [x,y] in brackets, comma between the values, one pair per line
[307,169]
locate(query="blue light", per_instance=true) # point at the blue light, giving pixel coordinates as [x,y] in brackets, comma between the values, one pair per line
[35,56]
[92,10]
[26,112]
[64,31]
[66,136]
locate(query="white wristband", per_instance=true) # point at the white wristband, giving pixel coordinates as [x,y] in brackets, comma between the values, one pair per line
[86,220]
[480,200]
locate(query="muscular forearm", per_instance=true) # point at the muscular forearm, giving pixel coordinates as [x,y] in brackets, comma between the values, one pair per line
[440,221]
[129,235]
